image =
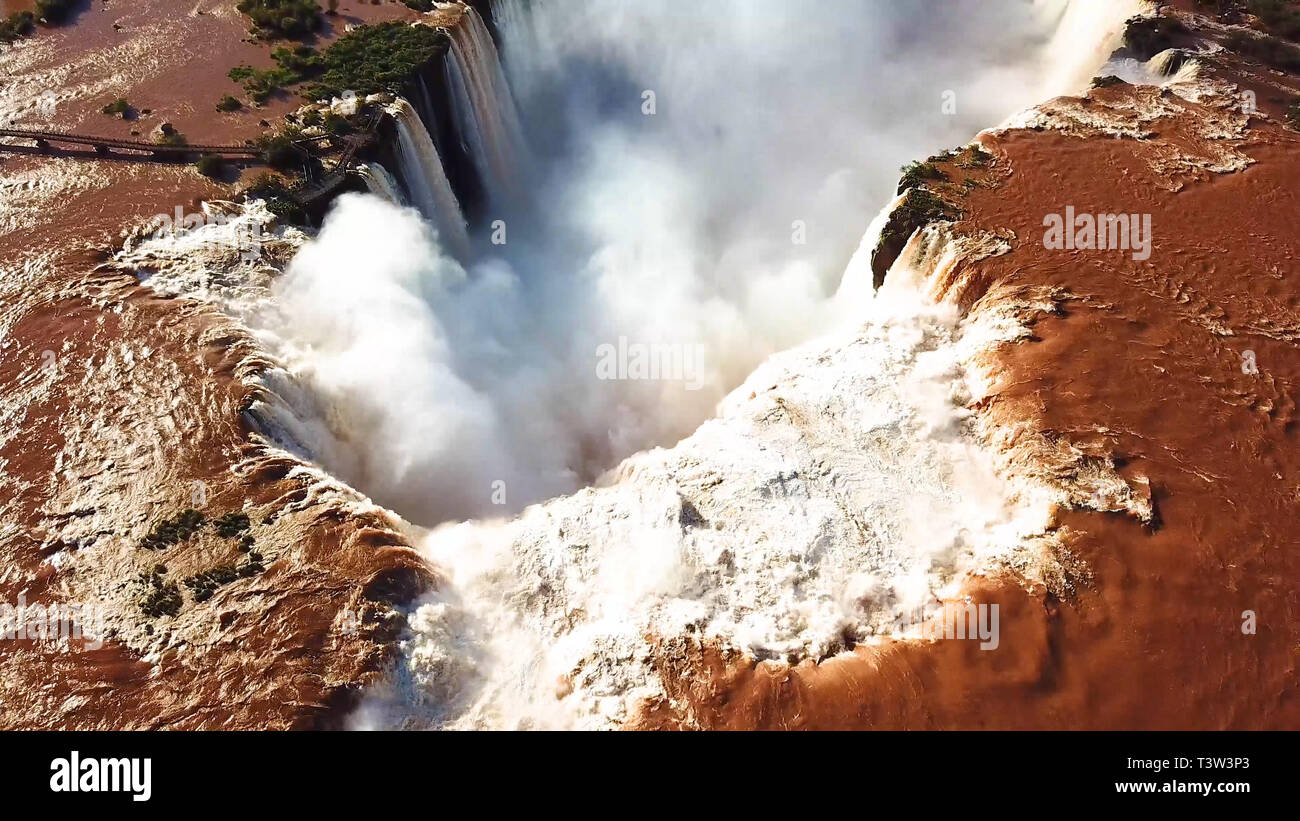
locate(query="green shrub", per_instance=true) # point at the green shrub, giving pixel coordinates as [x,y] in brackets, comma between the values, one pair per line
[118,107]
[168,135]
[203,585]
[279,200]
[293,66]
[916,173]
[972,157]
[370,59]
[919,208]
[1107,81]
[337,125]
[228,104]
[366,60]
[279,150]
[23,23]
[280,19]
[161,600]
[210,165]
[170,531]
[19,24]
[54,12]
[231,525]
[260,84]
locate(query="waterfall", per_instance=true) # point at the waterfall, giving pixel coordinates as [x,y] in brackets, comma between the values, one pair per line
[514,23]
[426,181]
[380,182]
[856,288]
[484,109]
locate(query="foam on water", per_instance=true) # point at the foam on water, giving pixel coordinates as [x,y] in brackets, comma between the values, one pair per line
[837,490]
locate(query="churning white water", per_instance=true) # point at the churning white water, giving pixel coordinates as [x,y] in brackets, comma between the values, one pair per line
[698,177]
[381,183]
[703,176]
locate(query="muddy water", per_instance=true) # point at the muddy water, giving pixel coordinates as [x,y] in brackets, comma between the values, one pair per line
[117,402]
[1189,621]
[1141,364]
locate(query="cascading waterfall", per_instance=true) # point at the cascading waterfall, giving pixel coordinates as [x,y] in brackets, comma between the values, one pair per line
[856,286]
[484,109]
[514,24]
[381,183]
[426,180]
[428,111]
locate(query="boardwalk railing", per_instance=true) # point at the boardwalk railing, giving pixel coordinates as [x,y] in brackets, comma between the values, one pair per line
[103,144]
[306,193]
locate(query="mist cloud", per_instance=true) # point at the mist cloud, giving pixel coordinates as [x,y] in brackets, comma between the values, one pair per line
[722,221]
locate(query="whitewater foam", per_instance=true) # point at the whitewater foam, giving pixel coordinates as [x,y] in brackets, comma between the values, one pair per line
[837,490]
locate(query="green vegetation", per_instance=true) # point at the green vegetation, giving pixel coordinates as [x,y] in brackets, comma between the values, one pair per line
[228,104]
[119,108]
[231,525]
[161,598]
[260,84]
[252,565]
[19,24]
[280,19]
[170,531]
[279,200]
[204,584]
[1107,81]
[1278,16]
[916,173]
[370,59]
[23,23]
[161,601]
[922,207]
[972,157]
[337,124]
[293,65]
[168,135]
[1271,51]
[919,208]
[280,151]
[210,165]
